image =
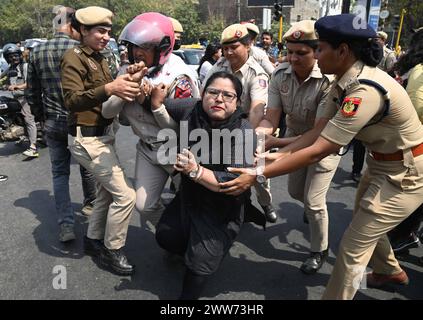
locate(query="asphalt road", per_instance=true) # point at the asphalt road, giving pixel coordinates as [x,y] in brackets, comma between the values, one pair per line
[261,264]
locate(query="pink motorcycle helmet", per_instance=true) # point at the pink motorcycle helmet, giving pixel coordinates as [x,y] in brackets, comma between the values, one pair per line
[150,28]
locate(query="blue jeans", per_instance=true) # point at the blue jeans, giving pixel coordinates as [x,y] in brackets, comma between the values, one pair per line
[56,132]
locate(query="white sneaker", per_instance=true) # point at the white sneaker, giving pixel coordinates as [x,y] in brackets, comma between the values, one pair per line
[31,153]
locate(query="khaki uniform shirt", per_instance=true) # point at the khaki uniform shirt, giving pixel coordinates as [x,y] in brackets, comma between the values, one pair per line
[253,78]
[415,89]
[399,130]
[84,75]
[298,101]
[388,60]
[263,59]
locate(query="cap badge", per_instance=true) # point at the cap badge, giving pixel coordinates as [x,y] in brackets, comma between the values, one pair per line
[238,34]
[297,35]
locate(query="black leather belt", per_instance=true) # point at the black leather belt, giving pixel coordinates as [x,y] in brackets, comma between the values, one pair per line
[94,131]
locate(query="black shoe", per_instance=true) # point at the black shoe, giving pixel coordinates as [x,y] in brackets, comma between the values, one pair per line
[404,244]
[117,261]
[92,247]
[305,219]
[314,262]
[356,176]
[270,213]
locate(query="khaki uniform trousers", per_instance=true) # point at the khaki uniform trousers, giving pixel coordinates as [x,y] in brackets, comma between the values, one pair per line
[310,186]
[115,194]
[388,192]
[150,180]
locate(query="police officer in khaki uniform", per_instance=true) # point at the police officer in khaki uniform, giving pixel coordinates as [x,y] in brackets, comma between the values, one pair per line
[87,83]
[381,115]
[179,30]
[389,58]
[257,53]
[236,44]
[297,89]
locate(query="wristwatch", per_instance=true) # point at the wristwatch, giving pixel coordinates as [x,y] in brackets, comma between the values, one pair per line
[260,178]
[193,173]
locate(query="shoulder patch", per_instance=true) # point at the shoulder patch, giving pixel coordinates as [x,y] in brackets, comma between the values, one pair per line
[350,106]
[183,89]
[263,83]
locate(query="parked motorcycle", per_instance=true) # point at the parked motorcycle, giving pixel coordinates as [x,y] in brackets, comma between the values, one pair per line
[12,124]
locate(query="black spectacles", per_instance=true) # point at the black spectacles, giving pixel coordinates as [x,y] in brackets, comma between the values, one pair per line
[227,96]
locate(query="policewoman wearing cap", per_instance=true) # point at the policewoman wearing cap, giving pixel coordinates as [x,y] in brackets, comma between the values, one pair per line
[381,115]
[257,53]
[297,91]
[236,45]
[87,83]
[389,58]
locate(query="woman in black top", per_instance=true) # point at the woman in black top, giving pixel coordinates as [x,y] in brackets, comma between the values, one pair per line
[200,223]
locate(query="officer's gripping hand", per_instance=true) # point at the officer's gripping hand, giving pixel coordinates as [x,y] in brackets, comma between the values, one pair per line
[137,71]
[158,95]
[123,87]
[241,184]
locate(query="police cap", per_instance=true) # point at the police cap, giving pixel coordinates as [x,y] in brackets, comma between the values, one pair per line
[94,16]
[234,33]
[302,32]
[177,26]
[251,27]
[382,35]
[343,27]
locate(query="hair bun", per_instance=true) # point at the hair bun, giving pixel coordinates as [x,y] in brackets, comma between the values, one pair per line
[372,54]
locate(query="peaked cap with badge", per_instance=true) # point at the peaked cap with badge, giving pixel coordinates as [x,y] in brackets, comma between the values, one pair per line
[94,16]
[301,32]
[234,33]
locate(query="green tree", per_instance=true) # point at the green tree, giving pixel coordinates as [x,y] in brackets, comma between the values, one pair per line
[23,19]
[212,29]
[413,17]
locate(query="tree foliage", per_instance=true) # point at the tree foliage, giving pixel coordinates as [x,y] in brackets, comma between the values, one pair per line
[24,19]
[413,17]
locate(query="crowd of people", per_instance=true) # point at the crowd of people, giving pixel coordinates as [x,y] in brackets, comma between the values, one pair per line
[336,85]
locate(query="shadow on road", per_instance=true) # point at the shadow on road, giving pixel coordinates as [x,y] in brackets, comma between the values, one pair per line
[41,204]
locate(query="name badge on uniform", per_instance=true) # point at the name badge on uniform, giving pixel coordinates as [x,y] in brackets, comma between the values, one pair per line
[263,83]
[92,64]
[284,88]
[350,106]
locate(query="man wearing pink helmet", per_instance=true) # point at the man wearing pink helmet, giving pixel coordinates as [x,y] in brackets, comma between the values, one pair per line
[149,38]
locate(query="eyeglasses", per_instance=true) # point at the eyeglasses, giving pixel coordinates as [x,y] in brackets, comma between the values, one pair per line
[226,95]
